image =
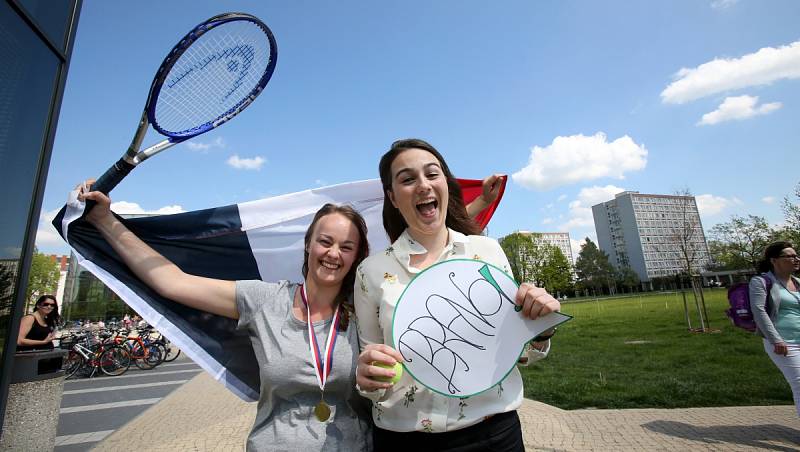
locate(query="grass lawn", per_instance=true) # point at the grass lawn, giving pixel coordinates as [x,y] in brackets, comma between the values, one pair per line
[638,353]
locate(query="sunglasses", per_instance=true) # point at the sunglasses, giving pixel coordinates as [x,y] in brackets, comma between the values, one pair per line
[793,256]
[48,305]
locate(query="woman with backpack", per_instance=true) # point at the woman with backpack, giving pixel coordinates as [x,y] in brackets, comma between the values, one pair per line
[775,302]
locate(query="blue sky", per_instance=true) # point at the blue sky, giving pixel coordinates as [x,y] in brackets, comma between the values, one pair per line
[574,100]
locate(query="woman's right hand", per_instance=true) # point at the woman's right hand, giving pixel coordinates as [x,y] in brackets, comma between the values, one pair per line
[781,349]
[365,369]
[102,208]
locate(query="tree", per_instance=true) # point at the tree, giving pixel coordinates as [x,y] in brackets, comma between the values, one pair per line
[555,272]
[687,241]
[42,278]
[533,260]
[740,242]
[685,235]
[593,268]
[791,212]
[519,249]
[7,274]
[724,257]
[627,277]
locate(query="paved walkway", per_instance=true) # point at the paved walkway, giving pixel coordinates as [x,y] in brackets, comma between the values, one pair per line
[202,415]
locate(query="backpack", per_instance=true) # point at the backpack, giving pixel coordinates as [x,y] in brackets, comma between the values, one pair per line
[739,300]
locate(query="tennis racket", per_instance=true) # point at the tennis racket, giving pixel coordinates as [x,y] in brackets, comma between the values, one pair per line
[208,78]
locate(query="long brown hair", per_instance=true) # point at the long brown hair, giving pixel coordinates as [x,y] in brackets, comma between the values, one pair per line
[52,320]
[457,217]
[345,295]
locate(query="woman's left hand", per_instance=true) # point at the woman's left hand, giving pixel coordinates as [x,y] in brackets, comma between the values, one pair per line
[535,301]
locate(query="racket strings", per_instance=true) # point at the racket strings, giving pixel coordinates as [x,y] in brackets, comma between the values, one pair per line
[213,77]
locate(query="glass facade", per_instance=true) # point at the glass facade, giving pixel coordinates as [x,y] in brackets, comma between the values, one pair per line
[87,298]
[35,40]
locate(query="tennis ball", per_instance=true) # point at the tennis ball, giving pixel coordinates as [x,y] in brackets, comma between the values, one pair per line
[398,372]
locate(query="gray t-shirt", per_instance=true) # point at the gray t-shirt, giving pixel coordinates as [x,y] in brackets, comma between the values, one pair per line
[289,388]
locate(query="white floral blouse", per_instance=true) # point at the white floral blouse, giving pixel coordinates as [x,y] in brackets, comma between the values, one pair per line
[408,405]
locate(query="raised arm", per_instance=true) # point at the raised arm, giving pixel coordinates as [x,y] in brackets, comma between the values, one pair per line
[491,188]
[206,294]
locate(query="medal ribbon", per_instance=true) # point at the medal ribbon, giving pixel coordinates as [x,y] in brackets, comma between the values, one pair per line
[322,363]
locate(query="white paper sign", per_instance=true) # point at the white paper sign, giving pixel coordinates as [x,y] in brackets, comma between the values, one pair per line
[457,327]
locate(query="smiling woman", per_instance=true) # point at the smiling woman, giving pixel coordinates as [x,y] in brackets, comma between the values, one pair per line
[298,332]
[36,330]
[428,223]
[451,208]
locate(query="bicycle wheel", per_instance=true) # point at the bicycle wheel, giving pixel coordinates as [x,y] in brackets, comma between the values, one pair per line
[72,363]
[156,354]
[115,361]
[172,352]
[145,359]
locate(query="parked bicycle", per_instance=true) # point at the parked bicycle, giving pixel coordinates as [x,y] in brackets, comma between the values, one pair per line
[172,352]
[145,352]
[88,353]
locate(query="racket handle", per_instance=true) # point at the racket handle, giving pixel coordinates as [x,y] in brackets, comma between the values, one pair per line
[113,176]
[109,180]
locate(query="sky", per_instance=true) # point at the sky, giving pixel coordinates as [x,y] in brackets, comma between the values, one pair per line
[574,100]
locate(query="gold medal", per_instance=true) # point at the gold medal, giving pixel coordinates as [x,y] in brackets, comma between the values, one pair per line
[322,411]
[322,360]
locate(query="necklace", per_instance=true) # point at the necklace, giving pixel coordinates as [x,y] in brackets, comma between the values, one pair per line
[794,294]
[323,363]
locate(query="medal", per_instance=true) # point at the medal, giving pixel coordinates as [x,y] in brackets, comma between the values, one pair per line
[322,362]
[322,411]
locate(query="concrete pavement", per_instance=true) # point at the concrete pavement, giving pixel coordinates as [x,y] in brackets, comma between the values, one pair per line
[202,415]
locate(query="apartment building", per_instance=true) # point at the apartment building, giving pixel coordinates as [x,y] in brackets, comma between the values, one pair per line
[656,235]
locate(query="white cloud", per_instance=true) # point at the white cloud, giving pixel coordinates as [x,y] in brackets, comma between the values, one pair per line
[547,220]
[578,158]
[46,236]
[763,67]
[709,205]
[580,210]
[576,246]
[320,182]
[49,216]
[205,147]
[768,199]
[254,163]
[561,198]
[739,107]
[723,4]
[132,208]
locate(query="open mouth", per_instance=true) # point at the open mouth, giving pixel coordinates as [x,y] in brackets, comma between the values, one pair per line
[330,265]
[428,208]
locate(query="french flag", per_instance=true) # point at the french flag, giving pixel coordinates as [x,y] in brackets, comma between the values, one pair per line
[254,240]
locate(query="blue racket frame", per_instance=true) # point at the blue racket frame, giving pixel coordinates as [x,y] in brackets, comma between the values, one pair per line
[133,156]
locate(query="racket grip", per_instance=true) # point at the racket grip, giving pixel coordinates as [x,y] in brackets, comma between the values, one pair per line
[109,180]
[113,176]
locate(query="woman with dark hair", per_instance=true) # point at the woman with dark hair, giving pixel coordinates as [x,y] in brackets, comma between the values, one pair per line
[775,303]
[37,330]
[425,218]
[307,402]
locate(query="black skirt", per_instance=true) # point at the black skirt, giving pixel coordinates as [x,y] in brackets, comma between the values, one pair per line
[501,432]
